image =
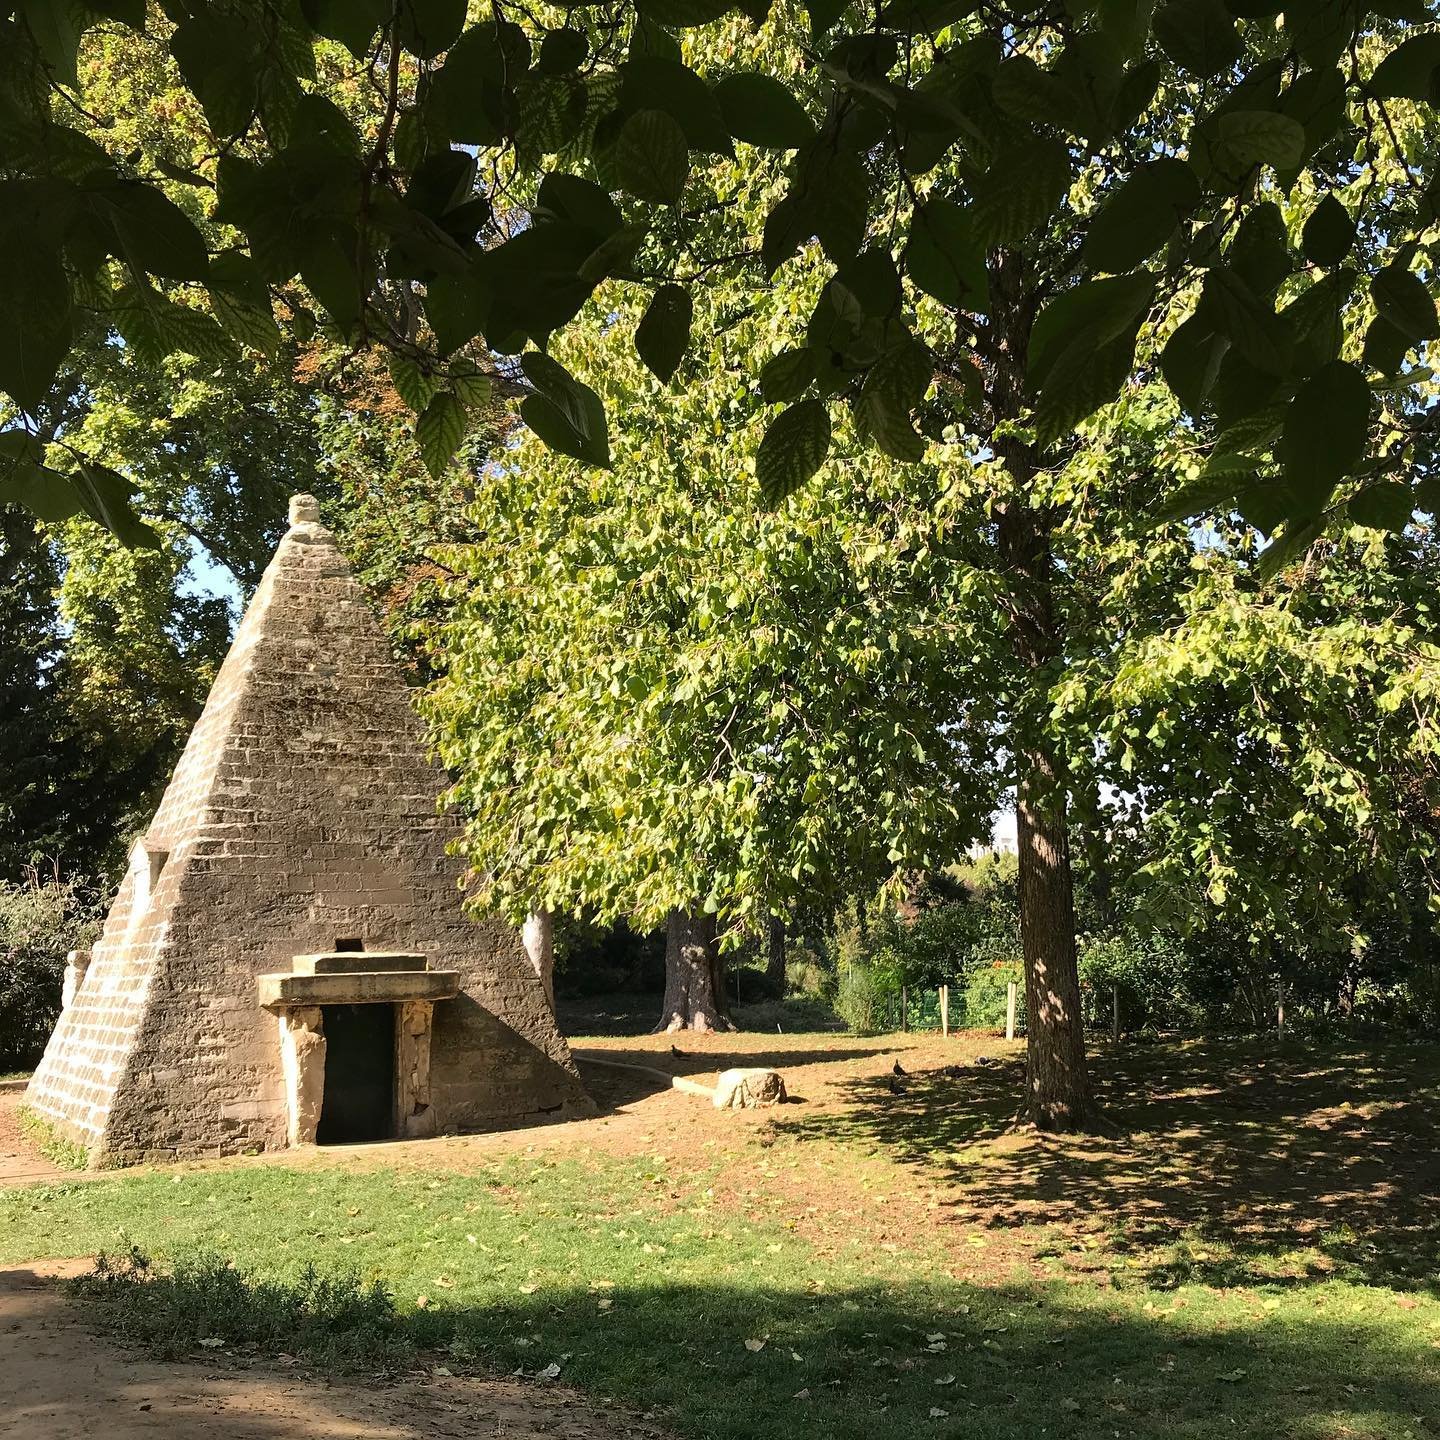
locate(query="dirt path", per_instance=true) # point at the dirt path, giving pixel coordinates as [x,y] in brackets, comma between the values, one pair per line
[59,1382]
[20,1162]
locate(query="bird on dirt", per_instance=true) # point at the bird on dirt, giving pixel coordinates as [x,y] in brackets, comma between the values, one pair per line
[954,1071]
[679,1053]
[895,1087]
[898,1069]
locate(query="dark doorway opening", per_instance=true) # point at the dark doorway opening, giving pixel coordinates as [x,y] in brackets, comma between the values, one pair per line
[349,946]
[359,1098]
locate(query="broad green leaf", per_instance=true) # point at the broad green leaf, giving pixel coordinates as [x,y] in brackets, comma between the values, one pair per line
[887,425]
[1198,35]
[1092,313]
[219,55]
[1408,71]
[651,157]
[415,385]
[155,234]
[683,14]
[1296,538]
[352,22]
[1260,251]
[104,495]
[1262,137]
[652,82]
[1087,375]
[1329,233]
[759,110]
[1142,215]
[1402,299]
[664,330]
[1385,505]
[1326,429]
[1021,190]
[787,376]
[1385,346]
[1191,362]
[430,27]
[946,257]
[36,312]
[793,449]
[439,432]
[45,493]
[1231,308]
[565,413]
[562,50]
[1199,497]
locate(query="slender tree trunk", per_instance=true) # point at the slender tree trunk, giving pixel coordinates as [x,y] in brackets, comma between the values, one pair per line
[694,975]
[775,956]
[1057,1089]
[538,937]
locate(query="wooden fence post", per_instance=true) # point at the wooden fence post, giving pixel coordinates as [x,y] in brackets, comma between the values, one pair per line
[1010,1011]
[1115,1014]
[904,1009]
[1280,1010]
[945,1011]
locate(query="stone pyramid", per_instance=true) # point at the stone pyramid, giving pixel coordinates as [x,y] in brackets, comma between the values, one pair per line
[296,861]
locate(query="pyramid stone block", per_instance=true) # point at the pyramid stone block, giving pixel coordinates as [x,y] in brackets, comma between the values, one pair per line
[301,821]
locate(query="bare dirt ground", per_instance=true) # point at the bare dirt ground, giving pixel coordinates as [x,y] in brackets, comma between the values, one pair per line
[20,1162]
[58,1382]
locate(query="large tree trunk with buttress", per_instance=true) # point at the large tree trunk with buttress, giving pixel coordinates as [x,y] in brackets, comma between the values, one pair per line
[694,975]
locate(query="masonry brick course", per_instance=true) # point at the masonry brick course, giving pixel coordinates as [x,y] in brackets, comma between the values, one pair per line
[303,810]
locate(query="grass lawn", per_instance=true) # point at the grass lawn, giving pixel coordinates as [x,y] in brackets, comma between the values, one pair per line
[1260,1255]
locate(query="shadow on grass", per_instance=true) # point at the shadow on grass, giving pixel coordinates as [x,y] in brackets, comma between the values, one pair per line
[1258,1150]
[915,1359]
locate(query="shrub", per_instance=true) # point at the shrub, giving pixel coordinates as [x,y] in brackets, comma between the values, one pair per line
[991,966]
[340,1322]
[40,921]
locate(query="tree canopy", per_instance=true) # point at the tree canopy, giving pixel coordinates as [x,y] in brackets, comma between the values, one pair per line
[1250,185]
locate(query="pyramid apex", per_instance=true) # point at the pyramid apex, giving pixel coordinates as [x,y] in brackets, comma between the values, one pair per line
[304,510]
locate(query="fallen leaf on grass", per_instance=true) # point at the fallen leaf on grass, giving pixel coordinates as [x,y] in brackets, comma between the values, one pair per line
[754,1345]
[528,1289]
[801,1394]
[946,1380]
[550,1372]
[1232,1377]
[936,1413]
[212,1342]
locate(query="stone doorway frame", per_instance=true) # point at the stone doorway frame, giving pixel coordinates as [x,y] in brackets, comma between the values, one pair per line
[297,1000]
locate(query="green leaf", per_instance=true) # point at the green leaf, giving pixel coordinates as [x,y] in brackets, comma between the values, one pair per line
[1262,137]
[156,326]
[1386,505]
[1315,321]
[651,157]
[1084,377]
[352,22]
[1329,233]
[1199,497]
[45,493]
[56,26]
[465,99]
[1142,215]
[1408,72]
[1231,308]
[156,236]
[664,331]
[439,432]
[1191,362]
[1198,35]
[562,50]
[413,383]
[1401,298]
[759,110]
[682,14]
[430,27]
[1092,313]
[36,315]
[945,256]
[895,384]
[1021,190]
[787,376]
[327,267]
[1385,346]
[565,413]
[219,56]
[793,449]
[104,495]
[651,82]
[1327,429]
[1260,252]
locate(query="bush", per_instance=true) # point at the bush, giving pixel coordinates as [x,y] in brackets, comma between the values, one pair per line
[39,923]
[991,966]
[1153,974]
[342,1323]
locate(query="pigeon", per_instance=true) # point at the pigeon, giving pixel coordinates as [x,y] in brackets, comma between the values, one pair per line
[954,1071]
[898,1069]
[895,1087]
[678,1052]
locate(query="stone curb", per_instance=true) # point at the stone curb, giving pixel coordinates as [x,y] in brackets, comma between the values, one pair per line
[6,1085]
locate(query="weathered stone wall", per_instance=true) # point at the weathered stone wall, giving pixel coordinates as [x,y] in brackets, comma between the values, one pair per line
[302,812]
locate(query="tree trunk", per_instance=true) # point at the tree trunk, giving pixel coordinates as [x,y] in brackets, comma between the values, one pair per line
[694,976]
[1057,1087]
[538,937]
[775,956]
[1057,1090]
